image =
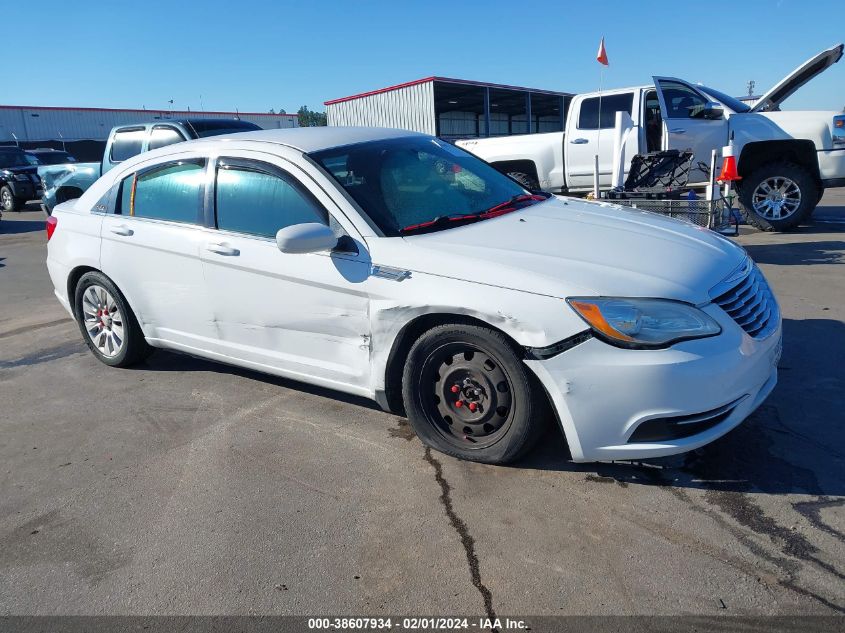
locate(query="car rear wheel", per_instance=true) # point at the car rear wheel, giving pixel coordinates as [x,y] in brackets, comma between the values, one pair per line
[468,394]
[107,323]
[7,199]
[778,196]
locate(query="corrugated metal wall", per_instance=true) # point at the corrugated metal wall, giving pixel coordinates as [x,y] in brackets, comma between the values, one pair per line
[408,108]
[45,124]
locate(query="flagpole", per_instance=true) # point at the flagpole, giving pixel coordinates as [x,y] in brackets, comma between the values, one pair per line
[597,159]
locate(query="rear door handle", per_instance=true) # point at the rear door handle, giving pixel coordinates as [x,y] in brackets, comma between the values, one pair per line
[678,130]
[579,141]
[122,229]
[222,249]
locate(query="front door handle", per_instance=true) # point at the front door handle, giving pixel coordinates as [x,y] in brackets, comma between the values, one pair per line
[579,141]
[222,249]
[122,229]
[678,130]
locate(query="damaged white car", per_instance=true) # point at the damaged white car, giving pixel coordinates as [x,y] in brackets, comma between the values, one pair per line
[396,266]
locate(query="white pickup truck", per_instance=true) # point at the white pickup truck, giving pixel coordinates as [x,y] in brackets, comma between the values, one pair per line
[786,159]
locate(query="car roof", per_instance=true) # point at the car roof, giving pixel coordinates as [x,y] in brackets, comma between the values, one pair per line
[314,139]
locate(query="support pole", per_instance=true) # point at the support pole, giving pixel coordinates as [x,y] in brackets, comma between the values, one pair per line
[596,176]
[487,112]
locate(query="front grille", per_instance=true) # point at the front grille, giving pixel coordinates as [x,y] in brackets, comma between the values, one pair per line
[751,304]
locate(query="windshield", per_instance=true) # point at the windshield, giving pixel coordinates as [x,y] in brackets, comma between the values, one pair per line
[407,182]
[13,159]
[733,103]
[216,127]
[54,158]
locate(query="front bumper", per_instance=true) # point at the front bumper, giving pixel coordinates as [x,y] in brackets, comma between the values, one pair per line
[26,190]
[602,393]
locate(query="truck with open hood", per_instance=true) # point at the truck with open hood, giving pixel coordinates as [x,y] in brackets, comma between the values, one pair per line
[786,158]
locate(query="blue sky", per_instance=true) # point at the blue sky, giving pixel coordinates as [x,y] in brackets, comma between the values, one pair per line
[260,55]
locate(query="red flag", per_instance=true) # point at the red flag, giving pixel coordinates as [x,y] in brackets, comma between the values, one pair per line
[601,56]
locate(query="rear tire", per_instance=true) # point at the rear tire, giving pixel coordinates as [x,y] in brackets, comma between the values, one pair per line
[525,180]
[107,323]
[503,410]
[778,196]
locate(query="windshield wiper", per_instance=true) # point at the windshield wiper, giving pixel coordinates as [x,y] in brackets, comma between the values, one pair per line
[499,209]
[440,220]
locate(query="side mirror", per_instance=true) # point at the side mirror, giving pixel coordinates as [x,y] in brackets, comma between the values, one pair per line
[712,110]
[310,237]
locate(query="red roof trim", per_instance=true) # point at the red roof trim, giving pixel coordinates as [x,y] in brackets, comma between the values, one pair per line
[444,80]
[186,113]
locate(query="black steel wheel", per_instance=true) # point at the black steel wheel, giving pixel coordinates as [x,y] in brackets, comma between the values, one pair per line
[468,394]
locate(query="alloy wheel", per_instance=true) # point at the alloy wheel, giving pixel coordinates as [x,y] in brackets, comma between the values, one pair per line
[6,200]
[103,320]
[776,198]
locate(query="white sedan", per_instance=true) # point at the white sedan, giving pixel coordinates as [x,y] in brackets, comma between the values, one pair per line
[396,266]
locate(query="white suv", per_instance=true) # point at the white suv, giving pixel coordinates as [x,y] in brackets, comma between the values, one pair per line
[396,266]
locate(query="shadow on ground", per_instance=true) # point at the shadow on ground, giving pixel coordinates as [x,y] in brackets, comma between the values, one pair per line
[772,451]
[14,227]
[798,253]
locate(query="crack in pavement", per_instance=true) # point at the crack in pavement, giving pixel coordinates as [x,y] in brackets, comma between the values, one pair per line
[461,528]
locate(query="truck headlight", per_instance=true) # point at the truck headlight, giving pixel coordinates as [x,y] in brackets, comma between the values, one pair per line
[643,323]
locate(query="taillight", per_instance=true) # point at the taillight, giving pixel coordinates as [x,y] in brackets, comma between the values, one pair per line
[52,223]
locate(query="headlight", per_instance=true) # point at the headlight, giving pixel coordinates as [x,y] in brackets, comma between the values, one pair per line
[22,177]
[643,323]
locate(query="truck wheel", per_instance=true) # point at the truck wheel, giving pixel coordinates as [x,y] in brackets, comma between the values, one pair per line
[525,180]
[7,200]
[468,394]
[778,196]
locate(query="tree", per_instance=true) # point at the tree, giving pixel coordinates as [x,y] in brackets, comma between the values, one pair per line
[307,118]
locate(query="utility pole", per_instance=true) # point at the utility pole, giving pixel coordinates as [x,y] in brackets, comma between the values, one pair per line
[751,85]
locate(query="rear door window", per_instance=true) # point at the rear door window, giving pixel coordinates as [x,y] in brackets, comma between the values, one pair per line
[259,199]
[588,117]
[173,192]
[164,135]
[126,144]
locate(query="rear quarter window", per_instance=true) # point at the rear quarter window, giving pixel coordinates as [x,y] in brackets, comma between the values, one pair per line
[172,192]
[126,144]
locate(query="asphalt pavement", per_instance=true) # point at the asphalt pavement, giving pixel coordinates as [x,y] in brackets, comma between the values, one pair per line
[187,487]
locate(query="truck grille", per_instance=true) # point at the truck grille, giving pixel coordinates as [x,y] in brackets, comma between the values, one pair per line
[751,304]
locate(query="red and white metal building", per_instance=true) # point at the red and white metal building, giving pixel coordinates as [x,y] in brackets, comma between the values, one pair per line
[454,108]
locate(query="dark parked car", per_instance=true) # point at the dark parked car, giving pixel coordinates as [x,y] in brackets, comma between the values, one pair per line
[19,180]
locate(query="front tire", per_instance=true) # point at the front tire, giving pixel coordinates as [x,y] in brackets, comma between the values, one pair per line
[107,323]
[778,196]
[468,394]
[7,200]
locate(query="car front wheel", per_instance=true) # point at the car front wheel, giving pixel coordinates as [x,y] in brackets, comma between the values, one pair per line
[467,393]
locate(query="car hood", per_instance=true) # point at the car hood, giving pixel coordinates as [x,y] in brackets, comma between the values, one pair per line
[29,169]
[814,66]
[569,247]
